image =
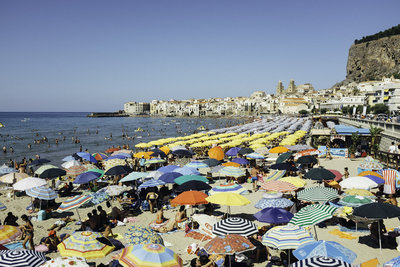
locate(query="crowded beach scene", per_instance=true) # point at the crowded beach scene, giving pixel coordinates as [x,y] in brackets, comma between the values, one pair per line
[176,133]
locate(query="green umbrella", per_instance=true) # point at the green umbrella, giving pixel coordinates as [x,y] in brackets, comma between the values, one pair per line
[284,156]
[355,201]
[317,194]
[45,167]
[186,178]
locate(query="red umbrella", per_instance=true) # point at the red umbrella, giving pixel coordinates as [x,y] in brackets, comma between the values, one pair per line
[112,149]
[337,174]
[229,244]
[279,186]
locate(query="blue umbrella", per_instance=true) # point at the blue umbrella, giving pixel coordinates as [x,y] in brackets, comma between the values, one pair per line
[376,179]
[151,183]
[86,177]
[233,151]
[395,262]
[42,192]
[273,203]
[241,161]
[118,156]
[87,156]
[169,168]
[5,169]
[186,171]
[134,176]
[325,249]
[97,198]
[38,162]
[169,177]
[273,215]
[212,162]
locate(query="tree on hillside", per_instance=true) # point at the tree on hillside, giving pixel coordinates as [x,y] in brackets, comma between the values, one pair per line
[303,112]
[380,108]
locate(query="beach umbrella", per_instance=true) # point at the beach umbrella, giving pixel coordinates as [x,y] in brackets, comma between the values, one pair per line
[68,158]
[279,186]
[395,262]
[216,153]
[271,195]
[232,171]
[5,169]
[38,162]
[287,237]
[42,192]
[96,198]
[317,194]
[263,150]
[196,165]
[231,164]
[112,149]
[205,223]
[241,161]
[234,225]
[324,248]
[186,171]
[74,203]
[168,168]
[364,173]
[273,216]
[9,233]
[169,177]
[84,244]
[193,185]
[176,147]
[28,183]
[116,190]
[255,155]
[312,214]
[151,183]
[354,201]
[122,151]
[52,173]
[186,178]
[190,198]
[42,168]
[100,156]
[228,245]
[140,235]
[182,153]
[117,170]
[149,255]
[273,203]
[154,161]
[2,206]
[228,199]
[283,166]
[232,152]
[338,175]
[134,176]
[154,175]
[245,150]
[278,150]
[321,261]
[319,174]
[118,156]
[87,177]
[283,157]
[66,261]
[75,170]
[358,182]
[307,160]
[142,154]
[157,153]
[70,164]
[212,162]
[86,156]
[376,179]
[359,192]
[231,187]
[13,177]
[165,149]
[21,258]
[296,181]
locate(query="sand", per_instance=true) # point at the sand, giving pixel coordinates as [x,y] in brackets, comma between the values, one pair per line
[178,240]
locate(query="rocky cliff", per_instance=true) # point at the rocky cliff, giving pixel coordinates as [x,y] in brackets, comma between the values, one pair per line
[374,59]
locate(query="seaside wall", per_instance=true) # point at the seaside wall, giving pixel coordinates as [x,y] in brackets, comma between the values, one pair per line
[374,59]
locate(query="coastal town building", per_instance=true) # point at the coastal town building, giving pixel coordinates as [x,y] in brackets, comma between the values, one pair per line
[137,108]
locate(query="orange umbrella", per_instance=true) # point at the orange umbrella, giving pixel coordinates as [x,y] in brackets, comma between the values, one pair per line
[278,149]
[165,149]
[308,152]
[216,153]
[364,173]
[112,149]
[190,198]
[232,164]
[139,155]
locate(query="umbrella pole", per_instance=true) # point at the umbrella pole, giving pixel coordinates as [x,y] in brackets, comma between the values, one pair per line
[78,215]
[288,253]
[380,242]
[315,231]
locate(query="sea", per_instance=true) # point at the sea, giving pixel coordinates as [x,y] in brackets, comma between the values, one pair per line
[22,130]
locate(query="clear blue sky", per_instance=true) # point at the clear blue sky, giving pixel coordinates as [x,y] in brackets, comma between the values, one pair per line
[94,55]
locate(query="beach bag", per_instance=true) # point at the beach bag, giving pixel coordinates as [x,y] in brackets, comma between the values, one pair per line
[145,205]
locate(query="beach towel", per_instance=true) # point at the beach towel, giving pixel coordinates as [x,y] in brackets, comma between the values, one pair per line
[353,229]
[342,234]
[15,245]
[197,235]
[273,175]
[155,226]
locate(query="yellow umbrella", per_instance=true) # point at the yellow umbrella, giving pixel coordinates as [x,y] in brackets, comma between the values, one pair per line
[141,154]
[9,233]
[229,199]
[358,192]
[231,164]
[141,145]
[296,181]
[165,149]
[216,153]
[364,173]
[278,149]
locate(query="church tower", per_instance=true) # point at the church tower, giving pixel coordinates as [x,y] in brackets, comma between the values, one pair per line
[292,88]
[279,88]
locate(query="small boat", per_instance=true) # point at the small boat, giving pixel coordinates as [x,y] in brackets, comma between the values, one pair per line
[2,125]
[139,130]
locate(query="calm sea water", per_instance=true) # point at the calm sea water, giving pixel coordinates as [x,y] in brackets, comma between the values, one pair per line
[23,128]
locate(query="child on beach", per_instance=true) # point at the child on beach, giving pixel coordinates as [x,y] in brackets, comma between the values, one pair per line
[346,172]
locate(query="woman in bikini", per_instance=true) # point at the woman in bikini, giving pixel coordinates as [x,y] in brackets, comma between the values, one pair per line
[27,232]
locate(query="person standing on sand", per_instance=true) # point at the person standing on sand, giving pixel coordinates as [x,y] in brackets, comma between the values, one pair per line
[151,197]
[27,232]
[346,173]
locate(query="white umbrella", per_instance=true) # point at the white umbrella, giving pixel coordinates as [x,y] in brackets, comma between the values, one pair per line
[154,174]
[115,190]
[206,223]
[13,177]
[358,182]
[29,183]
[70,163]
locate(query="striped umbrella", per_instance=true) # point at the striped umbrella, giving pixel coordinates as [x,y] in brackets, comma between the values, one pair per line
[325,249]
[154,161]
[355,201]
[232,171]
[321,261]
[100,156]
[317,194]
[273,203]
[9,233]
[186,178]
[149,255]
[235,225]
[70,163]
[359,192]
[255,155]
[42,192]
[228,245]
[21,258]
[139,235]
[296,181]
[233,188]
[66,261]
[279,186]
[42,168]
[196,165]
[76,170]
[151,183]
[287,237]
[84,244]
[74,203]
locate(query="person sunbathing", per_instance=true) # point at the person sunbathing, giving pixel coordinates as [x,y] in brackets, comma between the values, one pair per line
[58,225]
[160,216]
